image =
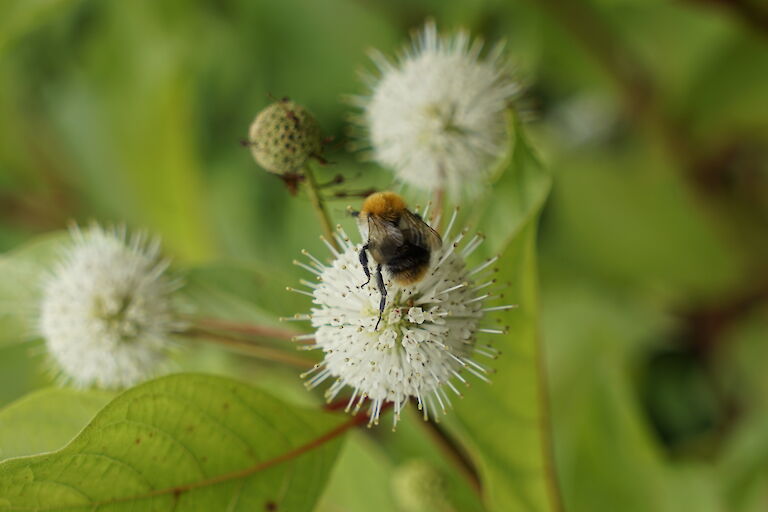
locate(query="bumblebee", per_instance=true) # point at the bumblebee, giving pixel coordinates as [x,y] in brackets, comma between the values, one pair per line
[398,241]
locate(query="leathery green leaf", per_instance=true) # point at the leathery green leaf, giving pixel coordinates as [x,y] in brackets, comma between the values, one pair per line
[184,442]
[17,18]
[47,419]
[502,423]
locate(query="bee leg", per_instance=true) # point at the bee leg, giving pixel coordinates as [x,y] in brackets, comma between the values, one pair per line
[383,291]
[364,263]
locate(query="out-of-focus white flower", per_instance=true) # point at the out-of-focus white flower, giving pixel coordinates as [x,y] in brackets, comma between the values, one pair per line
[437,116]
[106,313]
[417,486]
[427,337]
[584,119]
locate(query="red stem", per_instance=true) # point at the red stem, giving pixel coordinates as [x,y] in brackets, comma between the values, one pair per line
[261,331]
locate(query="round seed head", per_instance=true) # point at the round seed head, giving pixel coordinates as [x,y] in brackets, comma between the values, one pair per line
[283,136]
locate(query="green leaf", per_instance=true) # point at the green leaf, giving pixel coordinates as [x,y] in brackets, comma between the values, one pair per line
[640,224]
[362,462]
[599,426]
[184,442]
[594,338]
[19,17]
[139,126]
[21,274]
[414,441]
[46,420]
[240,292]
[524,188]
[20,365]
[503,423]
[743,462]
[731,83]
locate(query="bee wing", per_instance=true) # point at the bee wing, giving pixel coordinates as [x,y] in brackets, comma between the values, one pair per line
[383,232]
[419,232]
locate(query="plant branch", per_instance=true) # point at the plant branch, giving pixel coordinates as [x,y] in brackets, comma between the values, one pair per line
[313,191]
[262,331]
[752,13]
[706,171]
[545,426]
[249,348]
[702,167]
[346,194]
[598,39]
[439,204]
[453,452]
[634,81]
[704,325]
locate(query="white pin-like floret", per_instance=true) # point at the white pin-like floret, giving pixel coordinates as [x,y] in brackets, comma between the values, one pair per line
[106,313]
[436,117]
[426,339]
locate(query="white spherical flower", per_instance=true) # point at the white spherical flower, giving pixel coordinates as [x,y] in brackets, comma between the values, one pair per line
[437,116]
[427,336]
[106,311]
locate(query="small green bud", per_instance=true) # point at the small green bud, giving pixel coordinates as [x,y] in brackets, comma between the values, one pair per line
[419,487]
[283,136]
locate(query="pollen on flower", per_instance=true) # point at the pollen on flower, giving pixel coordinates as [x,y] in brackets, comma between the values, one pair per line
[426,342]
[106,312]
[437,116]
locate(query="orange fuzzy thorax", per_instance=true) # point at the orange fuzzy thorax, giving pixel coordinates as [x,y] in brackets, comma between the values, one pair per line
[385,204]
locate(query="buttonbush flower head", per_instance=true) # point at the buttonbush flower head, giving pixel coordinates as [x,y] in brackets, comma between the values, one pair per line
[283,137]
[437,115]
[106,311]
[426,341]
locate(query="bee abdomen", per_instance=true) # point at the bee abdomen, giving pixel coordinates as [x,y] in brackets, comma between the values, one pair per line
[409,266]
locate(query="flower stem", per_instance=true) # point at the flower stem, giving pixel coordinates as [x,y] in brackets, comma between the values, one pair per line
[454,452]
[251,349]
[547,429]
[261,331]
[751,13]
[438,204]
[313,192]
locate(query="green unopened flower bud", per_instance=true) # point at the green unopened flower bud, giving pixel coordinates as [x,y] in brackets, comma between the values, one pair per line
[283,136]
[419,487]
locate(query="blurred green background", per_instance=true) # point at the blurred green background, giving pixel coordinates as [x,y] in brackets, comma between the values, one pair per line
[652,116]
